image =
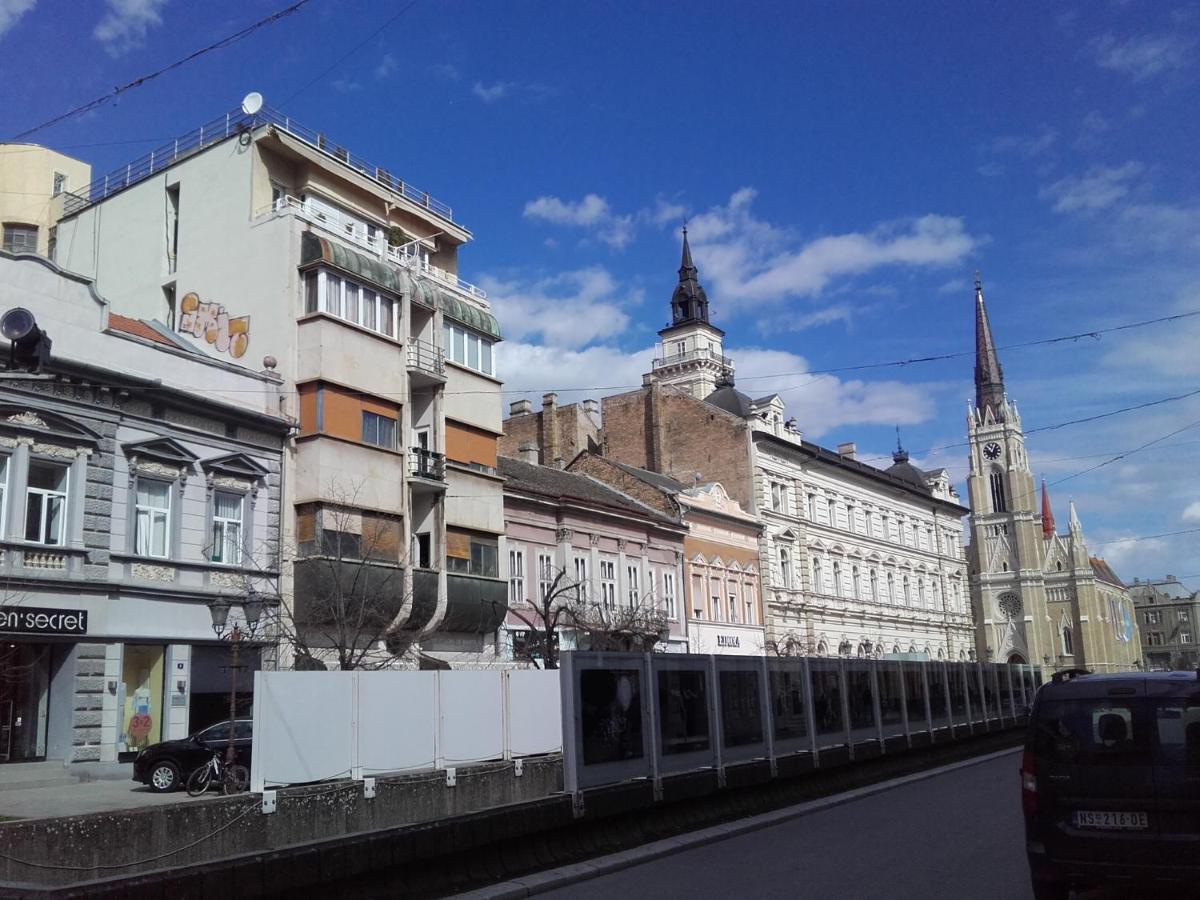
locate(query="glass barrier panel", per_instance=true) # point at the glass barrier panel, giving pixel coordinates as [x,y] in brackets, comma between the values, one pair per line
[827,703]
[787,704]
[974,691]
[914,697]
[611,715]
[958,693]
[861,697]
[991,691]
[939,711]
[683,707]
[1037,678]
[889,683]
[741,708]
[1026,673]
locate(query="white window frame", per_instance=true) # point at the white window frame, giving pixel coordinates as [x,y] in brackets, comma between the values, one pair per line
[633,584]
[779,497]
[333,289]
[516,575]
[378,419]
[460,344]
[545,572]
[608,583]
[221,524]
[46,494]
[785,567]
[581,577]
[668,589]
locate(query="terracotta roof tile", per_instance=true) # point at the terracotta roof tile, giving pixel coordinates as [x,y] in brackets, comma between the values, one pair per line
[137,328]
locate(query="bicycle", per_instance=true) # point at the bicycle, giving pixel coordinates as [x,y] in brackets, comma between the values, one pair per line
[233,779]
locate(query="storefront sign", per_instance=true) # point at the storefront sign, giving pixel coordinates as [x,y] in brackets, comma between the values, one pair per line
[728,640]
[36,620]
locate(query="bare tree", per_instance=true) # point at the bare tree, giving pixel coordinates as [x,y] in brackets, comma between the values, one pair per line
[790,644]
[543,617]
[636,626]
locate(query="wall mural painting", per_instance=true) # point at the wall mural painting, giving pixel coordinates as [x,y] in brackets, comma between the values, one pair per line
[212,322]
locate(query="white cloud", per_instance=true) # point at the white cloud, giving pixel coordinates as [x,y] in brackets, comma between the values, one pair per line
[386,66]
[530,370]
[126,23]
[11,12]
[1192,512]
[346,85]
[1161,225]
[446,71]
[1025,146]
[747,259]
[1143,56]
[490,93]
[1099,187]
[592,212]
[566,310]
[1095,123]
[664,212]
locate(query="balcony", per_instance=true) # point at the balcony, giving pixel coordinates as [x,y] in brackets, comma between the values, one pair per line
[426,470]
[474,603]
[706,355]
[354,231]
[424,600]
[426,363]
[237,123]
[336,591]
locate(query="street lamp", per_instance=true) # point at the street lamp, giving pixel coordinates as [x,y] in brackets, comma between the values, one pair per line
[252,607]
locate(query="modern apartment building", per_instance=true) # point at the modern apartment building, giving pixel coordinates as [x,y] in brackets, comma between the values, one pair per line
[266,244]
[34,181]
[1168,615]
[854,559]
[139,485]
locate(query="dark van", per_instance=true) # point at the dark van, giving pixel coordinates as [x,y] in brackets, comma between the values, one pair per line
[1110,782]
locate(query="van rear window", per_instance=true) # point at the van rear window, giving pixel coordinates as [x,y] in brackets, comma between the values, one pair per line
[1096,732]
[1178,724]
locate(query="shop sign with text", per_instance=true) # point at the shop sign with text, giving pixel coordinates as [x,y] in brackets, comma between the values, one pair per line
[38,620]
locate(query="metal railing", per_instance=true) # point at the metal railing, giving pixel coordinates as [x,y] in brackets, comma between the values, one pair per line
[707,353]
[427,464]
[426,357]
[355,231]
[235,123]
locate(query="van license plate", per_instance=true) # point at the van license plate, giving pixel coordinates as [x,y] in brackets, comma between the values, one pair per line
[1118,821]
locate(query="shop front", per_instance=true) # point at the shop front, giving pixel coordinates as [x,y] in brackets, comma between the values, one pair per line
[726,638]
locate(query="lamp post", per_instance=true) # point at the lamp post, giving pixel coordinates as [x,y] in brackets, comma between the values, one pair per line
[252,607]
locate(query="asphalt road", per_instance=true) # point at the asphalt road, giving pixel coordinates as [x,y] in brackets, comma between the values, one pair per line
[956,835]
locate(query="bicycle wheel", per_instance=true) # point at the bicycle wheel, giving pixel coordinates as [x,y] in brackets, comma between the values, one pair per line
[199,780]
[236,779]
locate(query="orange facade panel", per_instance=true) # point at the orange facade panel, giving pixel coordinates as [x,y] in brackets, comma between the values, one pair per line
[465,444]
[337,411]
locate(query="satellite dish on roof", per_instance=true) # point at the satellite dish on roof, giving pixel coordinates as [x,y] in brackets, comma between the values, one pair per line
[252,103]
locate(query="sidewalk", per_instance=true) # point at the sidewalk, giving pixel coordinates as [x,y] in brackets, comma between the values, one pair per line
[111,793]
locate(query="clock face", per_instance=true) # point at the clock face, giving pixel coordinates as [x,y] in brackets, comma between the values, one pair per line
[992,450]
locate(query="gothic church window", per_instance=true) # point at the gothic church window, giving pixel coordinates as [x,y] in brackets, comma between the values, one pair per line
[999,504]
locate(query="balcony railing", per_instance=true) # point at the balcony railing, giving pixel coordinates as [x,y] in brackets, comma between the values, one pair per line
[426,357]
[707,354]
[234,123]
[427,464]
[355,232]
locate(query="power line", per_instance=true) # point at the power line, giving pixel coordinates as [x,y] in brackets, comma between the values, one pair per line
[1144,537]
[138,82]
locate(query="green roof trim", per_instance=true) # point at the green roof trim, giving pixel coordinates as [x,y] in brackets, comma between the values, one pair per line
[397,281]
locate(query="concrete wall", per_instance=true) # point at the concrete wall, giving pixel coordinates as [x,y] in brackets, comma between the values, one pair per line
[27,184]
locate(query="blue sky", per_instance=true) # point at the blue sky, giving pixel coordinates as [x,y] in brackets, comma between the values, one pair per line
[845,168]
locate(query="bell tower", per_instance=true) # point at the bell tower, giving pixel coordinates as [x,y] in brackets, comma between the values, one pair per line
[690,354]
[1005,555]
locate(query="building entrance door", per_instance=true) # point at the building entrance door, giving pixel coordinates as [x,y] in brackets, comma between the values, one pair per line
[24,700]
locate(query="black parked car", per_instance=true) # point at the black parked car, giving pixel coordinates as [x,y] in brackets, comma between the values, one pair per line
[1110,782]
[166,766]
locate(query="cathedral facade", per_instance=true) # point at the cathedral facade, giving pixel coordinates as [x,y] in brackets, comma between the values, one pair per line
[1037,595]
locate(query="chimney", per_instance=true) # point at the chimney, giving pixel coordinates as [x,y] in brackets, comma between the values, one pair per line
[520,408]
[847,449]
[549,428]
[528,451]
[592,408]
[1171,578]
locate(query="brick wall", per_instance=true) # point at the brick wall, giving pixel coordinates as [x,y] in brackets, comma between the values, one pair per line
[576,433]
[603,470]
[667,431]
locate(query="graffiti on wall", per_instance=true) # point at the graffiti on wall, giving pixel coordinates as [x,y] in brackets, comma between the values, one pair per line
[212,322]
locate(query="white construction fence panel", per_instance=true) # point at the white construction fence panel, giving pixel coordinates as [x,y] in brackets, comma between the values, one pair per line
[471,706]
[397,721]
[534,706]
[303,727]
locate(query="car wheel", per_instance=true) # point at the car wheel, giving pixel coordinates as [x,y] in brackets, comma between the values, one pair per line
[164,777]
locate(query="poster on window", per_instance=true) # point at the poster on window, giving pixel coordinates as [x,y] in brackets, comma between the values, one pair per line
[142,692]
[611,701]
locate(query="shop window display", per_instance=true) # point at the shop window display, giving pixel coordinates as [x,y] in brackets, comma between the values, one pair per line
[142,698]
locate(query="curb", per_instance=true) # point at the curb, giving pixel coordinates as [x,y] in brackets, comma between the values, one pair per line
[541,882]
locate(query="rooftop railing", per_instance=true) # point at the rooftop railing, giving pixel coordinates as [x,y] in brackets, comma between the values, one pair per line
[676,359]
[237,123]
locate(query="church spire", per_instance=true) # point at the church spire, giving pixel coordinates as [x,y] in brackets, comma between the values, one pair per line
[689,303]
[989,377]
[1048,528]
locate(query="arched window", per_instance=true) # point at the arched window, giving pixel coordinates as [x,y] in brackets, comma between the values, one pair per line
[837,579]
[999,504]
[896,648]
[941,653]
[861,652]
[907,592]
[785,567]
[844,648]
[921,590]
[874,586]
[891,588]
[1068,645]
[818,577]
[856,579]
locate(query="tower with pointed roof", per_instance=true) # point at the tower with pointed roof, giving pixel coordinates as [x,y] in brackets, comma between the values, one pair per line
[690,351]
[1037,595]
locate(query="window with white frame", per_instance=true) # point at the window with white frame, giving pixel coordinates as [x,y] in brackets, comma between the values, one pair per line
[633,575]
[545,575]
[668,589]
[779,496]
[886,527]
[733,605]
[1185,637]
[350,301]
[812,507]
[466,348]
[46,503]
[907,592]
[851,525]
[227,527]
[837,579]
[750,617]
[856,579]
[785,567]
[152,529]
[921,591]
[818,577]
[20,238]
[1184,616]
[891,588]
[59,184]
[581,577]
[516,576]
[608,583]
